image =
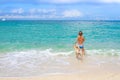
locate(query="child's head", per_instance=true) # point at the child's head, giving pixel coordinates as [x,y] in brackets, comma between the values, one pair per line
[80,33]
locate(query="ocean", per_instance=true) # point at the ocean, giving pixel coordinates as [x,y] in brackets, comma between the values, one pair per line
[28,46]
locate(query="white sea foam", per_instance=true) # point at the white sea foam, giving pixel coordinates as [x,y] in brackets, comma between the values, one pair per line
[104,52]
[40,61]
[31,62]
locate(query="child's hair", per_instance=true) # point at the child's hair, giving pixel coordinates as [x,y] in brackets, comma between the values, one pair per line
[80,33]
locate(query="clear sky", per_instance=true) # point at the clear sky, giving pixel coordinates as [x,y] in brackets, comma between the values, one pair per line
[60,9]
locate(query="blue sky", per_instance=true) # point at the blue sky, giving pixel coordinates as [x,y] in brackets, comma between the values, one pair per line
[60,9]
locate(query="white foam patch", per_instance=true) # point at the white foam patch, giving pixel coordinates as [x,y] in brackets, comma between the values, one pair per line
[105,52]
[40,61]
[31,61]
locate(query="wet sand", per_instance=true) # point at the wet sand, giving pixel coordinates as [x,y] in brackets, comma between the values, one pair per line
[91,68]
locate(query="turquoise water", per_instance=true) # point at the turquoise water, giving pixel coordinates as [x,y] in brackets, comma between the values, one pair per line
[58,35]
[27,48]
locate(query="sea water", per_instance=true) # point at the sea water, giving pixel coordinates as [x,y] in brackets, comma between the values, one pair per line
[30,46]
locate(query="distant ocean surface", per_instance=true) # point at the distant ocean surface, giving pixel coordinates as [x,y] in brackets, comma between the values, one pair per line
[31,41]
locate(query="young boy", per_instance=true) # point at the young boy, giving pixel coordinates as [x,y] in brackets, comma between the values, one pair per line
[79,45]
